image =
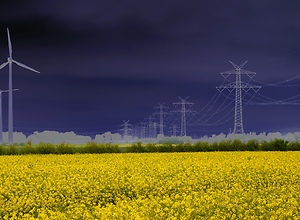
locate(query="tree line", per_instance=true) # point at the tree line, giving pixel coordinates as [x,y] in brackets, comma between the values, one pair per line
[139,147]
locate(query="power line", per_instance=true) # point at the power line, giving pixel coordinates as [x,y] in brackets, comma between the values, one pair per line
[279,84]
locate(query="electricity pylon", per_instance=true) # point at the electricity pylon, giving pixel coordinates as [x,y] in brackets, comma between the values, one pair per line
[126,128]
[143,130]
[173,130]
[161,114]
[238,86]
[183,112]
[150,126]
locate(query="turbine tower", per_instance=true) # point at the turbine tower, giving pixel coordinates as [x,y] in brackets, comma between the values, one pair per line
[1,118]
[238,86]
[183,112]
[1,123]
[10,60]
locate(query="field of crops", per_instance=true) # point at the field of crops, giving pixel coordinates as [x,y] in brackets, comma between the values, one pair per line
[216,185]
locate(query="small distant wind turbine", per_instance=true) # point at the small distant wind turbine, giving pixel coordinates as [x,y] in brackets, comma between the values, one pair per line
[10,60]
[1,119]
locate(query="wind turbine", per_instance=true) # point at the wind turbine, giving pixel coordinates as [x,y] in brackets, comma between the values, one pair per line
[1,120]
[10,60]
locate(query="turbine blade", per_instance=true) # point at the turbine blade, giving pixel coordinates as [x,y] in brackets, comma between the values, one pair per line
[3,65]
[9,44]
[24,66]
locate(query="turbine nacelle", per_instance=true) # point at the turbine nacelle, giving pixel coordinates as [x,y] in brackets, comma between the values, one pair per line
[10,61]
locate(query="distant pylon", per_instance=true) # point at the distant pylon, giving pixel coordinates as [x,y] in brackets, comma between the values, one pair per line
[238,86]
[142,130]
[183,112]
[135,131]
[174,131]
[126,128]
[161,114]
[150,127]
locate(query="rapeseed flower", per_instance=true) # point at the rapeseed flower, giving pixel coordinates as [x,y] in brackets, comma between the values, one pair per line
[216,185]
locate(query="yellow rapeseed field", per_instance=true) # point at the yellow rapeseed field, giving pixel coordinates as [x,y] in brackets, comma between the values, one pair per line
[217,185]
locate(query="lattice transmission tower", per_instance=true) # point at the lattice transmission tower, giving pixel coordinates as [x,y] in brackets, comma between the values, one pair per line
[126,128]
[238,86]
[143,129]
[183,112]
[161,112]
[173,130]
[150,126]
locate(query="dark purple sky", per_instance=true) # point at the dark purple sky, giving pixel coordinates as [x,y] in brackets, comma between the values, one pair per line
[107,61]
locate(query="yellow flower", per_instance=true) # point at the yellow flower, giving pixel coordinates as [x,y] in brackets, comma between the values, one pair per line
[218,185]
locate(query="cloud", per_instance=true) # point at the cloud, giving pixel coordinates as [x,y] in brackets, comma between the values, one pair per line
[235,24]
